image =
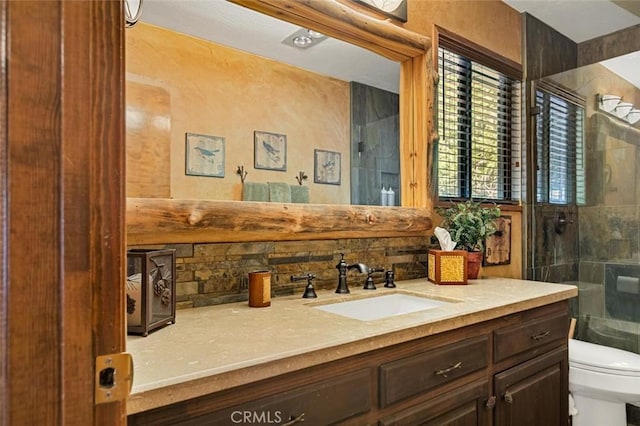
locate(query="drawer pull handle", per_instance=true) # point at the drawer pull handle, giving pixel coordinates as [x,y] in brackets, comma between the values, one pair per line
[446,371]
[541,335]
[294,420]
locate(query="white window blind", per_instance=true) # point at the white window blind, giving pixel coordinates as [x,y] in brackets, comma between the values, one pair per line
[560,150]
[479,131]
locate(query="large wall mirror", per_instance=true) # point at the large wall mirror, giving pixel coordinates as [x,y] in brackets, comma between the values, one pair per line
[336,105]
[211,102]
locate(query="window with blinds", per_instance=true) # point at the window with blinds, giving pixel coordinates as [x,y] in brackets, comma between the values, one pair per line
[479,131]
[560,175]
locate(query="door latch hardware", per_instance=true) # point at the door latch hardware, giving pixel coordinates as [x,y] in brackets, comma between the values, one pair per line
[113,377]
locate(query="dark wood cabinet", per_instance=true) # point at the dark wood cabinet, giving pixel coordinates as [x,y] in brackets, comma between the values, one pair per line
[534,393]
[417,374]
[323,403]
[512,370]
[464,406]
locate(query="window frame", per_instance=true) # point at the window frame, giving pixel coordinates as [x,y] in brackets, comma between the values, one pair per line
[575,197]
[483,56]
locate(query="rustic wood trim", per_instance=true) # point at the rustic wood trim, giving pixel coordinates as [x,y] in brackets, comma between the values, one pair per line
[163,221]
[63,202]
[417,78]
[34,154]
[424,127]
[407,135]
[107,188]
[4,221]
[337,20]
[478,53]
[78,365]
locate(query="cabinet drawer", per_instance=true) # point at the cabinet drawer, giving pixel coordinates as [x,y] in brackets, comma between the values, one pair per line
[418,373]
[322,403]
[462,406]
[529,335]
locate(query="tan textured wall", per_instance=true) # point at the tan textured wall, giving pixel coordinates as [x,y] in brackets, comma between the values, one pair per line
[514,268]
[497,27]
[489,23]
[215,90]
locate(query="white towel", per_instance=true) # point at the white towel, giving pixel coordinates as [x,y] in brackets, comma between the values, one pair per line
[572,406]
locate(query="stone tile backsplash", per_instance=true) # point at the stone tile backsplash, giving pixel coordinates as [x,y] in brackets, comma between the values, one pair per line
[215,273]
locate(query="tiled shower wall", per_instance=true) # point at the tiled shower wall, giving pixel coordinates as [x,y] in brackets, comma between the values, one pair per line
[609,302]
[215,273]
[556,256]
[375,144]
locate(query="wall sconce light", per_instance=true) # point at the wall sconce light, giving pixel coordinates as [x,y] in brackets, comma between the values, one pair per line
[633,116]
[613,105]
[623,108]
[608,103]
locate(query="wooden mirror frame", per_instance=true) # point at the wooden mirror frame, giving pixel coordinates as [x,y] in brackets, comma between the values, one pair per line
[166,221]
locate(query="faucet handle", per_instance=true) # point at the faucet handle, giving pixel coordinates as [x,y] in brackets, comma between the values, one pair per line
[369,284]
[388,279]
[309,291]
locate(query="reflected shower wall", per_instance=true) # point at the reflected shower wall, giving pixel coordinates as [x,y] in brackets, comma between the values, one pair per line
[375,144]
[608,226]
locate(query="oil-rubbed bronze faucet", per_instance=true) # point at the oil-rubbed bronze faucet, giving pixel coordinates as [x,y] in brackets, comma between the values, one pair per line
[342,268]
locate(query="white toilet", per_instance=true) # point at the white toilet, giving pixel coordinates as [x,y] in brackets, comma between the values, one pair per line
[602,380]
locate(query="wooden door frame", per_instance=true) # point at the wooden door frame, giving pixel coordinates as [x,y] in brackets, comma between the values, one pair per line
[62,180]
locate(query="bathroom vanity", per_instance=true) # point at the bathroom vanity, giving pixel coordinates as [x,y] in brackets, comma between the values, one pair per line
[494,354]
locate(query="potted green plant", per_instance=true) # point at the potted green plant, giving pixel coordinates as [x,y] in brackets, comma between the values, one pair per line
[469,224]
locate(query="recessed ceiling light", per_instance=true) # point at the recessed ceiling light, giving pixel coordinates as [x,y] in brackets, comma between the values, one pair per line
[302,41]
[304,38]
[315,34]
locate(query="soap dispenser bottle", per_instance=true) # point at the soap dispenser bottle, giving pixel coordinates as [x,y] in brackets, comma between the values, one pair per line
[391,197]
[384,196]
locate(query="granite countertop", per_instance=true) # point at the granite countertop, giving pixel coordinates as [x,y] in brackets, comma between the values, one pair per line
[218,347]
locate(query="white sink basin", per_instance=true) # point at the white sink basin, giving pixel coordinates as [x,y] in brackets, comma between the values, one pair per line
[379,307]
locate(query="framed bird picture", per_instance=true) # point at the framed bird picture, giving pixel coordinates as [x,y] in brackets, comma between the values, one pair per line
[326,167]
[270,151]
[204,155]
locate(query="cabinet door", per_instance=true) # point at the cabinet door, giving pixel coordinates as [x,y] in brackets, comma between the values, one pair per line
[464,406]
[534,393]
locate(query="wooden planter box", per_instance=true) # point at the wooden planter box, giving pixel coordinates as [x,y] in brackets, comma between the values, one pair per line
[447,267]
[151,290]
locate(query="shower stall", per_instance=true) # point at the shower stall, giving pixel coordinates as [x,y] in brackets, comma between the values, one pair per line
[591,237]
